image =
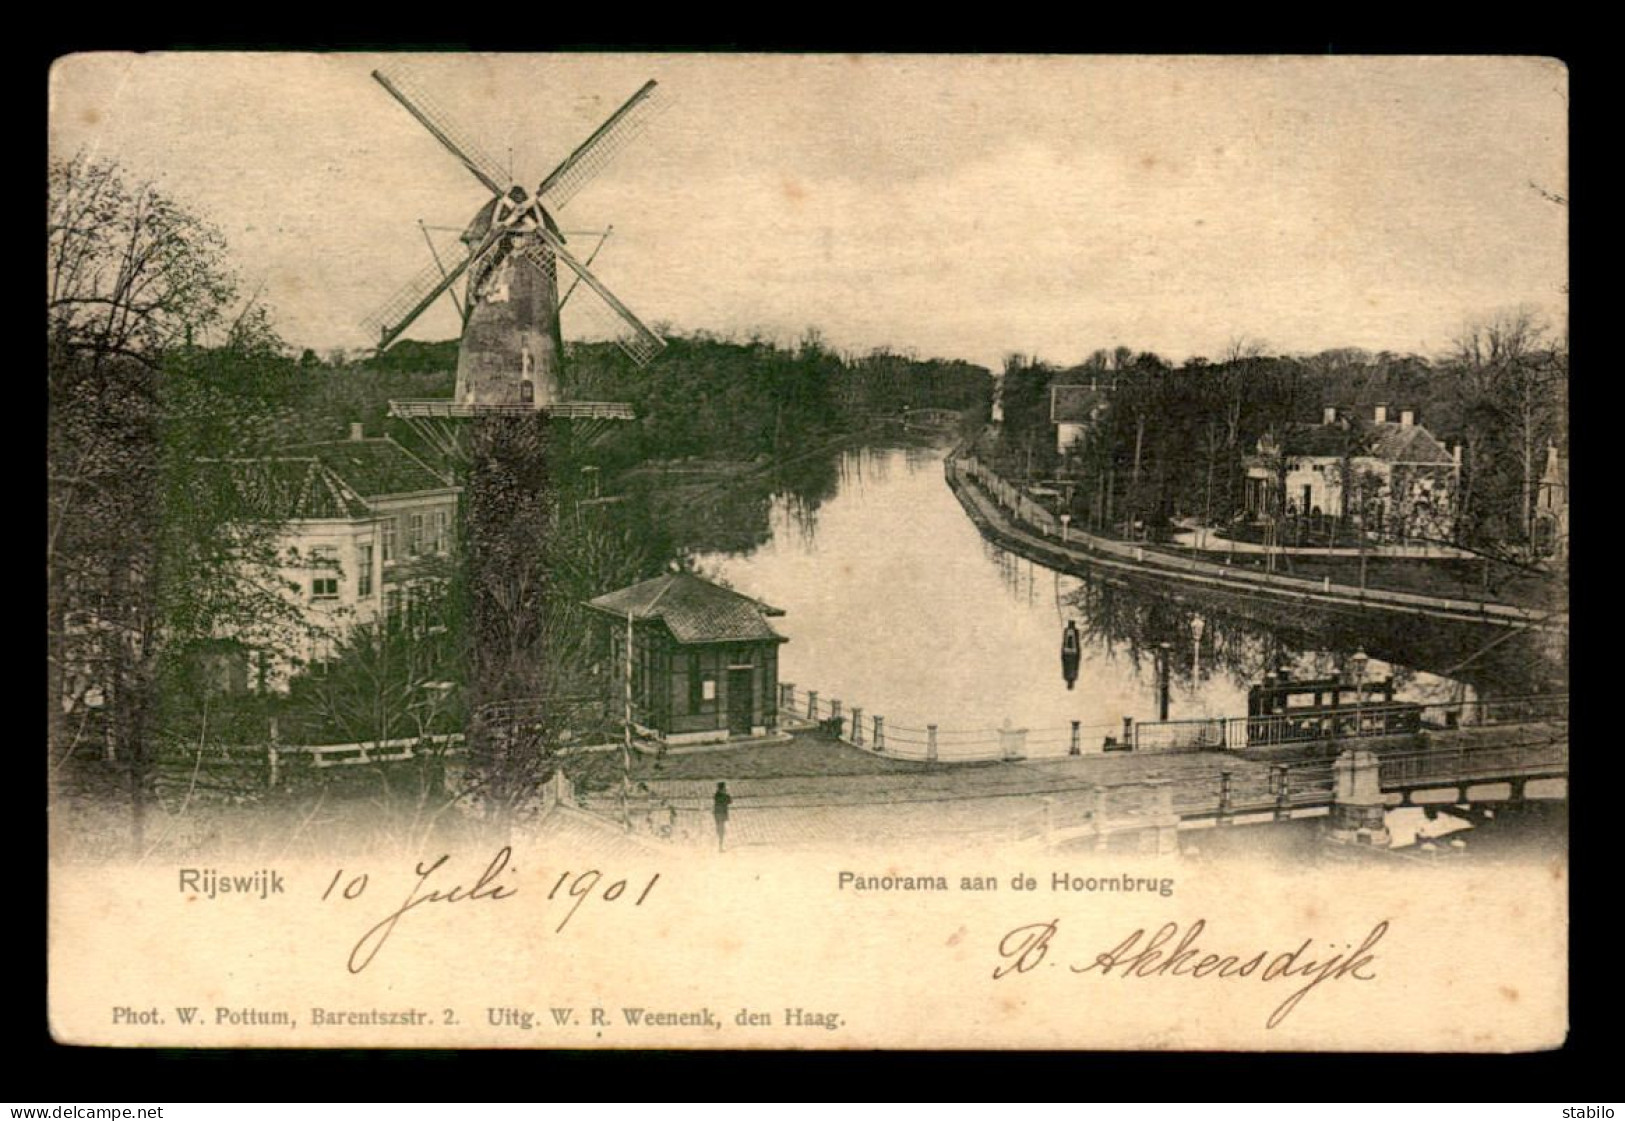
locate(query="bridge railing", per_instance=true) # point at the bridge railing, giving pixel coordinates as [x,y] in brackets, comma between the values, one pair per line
[1350,722]
[1397,719]
[933,743]
[1467,764]
[1180,735]
[1536,708]
[1282,790]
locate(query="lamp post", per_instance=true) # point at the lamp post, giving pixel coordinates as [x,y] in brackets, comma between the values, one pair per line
[1359,659]
[1164,672]
[1198,625]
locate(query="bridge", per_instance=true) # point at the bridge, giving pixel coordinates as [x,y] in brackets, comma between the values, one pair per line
[1248,791]
[922,420]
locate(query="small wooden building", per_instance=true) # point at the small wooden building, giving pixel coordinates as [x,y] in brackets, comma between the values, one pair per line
[705,661]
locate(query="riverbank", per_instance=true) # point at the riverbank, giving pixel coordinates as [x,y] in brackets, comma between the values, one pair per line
[1014,521]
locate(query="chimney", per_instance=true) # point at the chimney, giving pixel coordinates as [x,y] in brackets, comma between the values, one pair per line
[1407,417]
[356,432]
[1455,455]
[1328,415]
[1382,414]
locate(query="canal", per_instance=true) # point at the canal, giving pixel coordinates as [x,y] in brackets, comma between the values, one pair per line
[896,603]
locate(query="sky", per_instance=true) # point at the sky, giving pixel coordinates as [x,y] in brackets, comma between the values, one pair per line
[958,207]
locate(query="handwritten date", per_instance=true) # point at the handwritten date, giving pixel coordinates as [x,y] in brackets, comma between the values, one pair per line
[498,881]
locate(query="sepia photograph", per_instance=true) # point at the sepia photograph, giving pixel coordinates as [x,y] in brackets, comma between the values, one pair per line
[745,551]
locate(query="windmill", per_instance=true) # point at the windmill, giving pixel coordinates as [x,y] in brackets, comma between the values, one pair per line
[511,352]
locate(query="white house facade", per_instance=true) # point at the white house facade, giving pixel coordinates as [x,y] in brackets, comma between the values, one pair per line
[1404,481]
[362,526]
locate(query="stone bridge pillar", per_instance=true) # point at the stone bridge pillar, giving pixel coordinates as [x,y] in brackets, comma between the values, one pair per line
[1012,742]
[1358,808]
[1163,837]
[1099,813]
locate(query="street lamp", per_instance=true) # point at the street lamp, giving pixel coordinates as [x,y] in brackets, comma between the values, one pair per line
[1164,672]
[1198,625]
[1359,659]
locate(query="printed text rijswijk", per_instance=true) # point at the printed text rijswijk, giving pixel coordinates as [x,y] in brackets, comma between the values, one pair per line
[210,882]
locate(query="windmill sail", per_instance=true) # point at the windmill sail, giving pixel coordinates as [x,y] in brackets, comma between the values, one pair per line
[595,306]
[596,152]
[404,87]
[412,299]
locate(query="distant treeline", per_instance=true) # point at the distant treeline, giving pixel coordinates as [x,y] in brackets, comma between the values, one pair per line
[703,396]
[1174,440]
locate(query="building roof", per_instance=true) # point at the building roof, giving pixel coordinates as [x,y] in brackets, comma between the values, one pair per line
[1394,443]
[1407,443]
[1318,441]
[375,467]
[695,610]
[337,480]
[288,488]
[1075,404]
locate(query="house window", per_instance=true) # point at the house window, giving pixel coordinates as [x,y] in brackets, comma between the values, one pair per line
[324,580]
[363,586]
[439,523]
[702,688]
[414,535]
[387,533]
[321,654]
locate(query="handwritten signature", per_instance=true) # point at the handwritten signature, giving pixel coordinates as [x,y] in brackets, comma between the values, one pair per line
[1139,956]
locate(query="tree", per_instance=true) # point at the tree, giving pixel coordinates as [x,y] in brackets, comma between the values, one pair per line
[1513,379]
[130,272]
[1241,355]
[141,546]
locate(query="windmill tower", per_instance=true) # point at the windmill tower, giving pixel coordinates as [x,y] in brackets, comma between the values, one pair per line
[511,354]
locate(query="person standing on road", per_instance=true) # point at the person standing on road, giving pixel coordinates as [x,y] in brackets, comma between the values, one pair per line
[719,810]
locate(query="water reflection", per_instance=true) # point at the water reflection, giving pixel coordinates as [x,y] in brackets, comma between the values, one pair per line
[734,508]
[897,603]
